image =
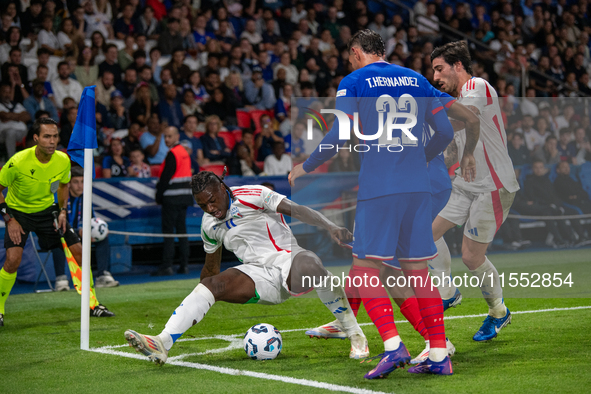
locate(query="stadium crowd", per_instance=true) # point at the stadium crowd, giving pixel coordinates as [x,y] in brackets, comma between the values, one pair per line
[223,73]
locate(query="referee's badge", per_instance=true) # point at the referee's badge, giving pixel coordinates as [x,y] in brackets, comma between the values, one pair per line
[54,186]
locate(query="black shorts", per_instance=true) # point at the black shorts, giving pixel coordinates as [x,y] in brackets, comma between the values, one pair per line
[41,223]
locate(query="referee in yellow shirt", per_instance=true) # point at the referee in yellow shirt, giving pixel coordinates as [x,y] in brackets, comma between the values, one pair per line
[32,177]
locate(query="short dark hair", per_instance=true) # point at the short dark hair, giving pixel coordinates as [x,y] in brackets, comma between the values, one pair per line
[307,85]
[42,121]
[139,53]
[43,51]
[550,138]
[62,63]
[14,49]
[41,113]
[564,130]
[369,41]
[454,52]
[76,171]
[268,185]
[109,46]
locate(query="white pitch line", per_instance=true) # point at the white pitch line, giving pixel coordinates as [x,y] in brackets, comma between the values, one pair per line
[241,372]
[285,379]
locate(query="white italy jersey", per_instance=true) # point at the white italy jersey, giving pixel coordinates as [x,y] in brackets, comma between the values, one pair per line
[252,228]
[494,169]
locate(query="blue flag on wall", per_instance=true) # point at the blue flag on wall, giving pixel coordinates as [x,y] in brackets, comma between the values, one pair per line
[84,133]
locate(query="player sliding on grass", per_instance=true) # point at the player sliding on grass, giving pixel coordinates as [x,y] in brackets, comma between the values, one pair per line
[248,221]
[32,177]
[393,217]
[482,205]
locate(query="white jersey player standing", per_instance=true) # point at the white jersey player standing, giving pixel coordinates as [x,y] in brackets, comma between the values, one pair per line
[482,205]
[248,221]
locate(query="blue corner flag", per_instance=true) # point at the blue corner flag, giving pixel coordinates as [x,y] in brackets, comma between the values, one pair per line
[84,133]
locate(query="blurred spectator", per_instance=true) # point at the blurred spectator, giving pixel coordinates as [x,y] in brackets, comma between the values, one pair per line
[13,120]
[64,86]
[131,142]
[124,26]
[171,38]
[138,165]
[582,146]
[116,165]
[189,106]
[97,21]
[344,161]
[548,154]
[221,106]
[528,104]
[566,150]
[542,199]
[67,122]
[243,162]
[145,78]
[129,83]
[294,143]
[278,163]
[68,38]
[104,88]
[189,133]
[259,93]
[117,117]
[152,141]
[98,47]
[16,75]
[155,55]
[234,83]
[37,102]
[169,109]
[214,147]
[139,57]
[142,108]
[31,19]
[291,72]
[42,60]
[147,24]
[13,40]
[518,151]
[265,139]
[173,192]
[563,120]
[110,63]
[47,39]
[569,190]
[532,138]
[179,71]
[125,56]
[283,104]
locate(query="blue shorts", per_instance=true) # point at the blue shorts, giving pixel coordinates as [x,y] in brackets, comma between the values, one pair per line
[438,202]
[394,228]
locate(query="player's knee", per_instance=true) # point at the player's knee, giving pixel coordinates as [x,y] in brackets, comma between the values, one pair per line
[308,263]
[217,285]
[470,258]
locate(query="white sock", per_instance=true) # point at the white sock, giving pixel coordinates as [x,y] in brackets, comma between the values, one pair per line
[437,353]
[190,312]
[336,301]
[491,288]
[392,343]
[441,267]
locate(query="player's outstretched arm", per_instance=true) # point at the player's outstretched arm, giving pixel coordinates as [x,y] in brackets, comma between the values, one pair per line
[314,218]
[212,264]
[468,115]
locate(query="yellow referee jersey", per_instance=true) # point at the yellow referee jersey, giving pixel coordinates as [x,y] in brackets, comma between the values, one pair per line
[32,184]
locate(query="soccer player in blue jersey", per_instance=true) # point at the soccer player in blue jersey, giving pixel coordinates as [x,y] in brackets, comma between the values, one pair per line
[394,185]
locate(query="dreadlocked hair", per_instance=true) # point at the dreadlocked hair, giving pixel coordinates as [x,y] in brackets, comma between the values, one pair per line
[204,179]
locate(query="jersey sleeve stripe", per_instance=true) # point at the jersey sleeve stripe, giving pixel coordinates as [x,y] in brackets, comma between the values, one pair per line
[436,110]
[489,99]
[496,122]
[273,241]
[493,173]
[250,205]
[450,103]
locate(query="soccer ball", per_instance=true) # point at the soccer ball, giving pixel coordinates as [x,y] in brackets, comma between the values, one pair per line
[262,342]
[98,229]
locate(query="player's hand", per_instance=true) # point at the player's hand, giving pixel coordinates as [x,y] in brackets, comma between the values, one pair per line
[295,173]
[14,231]
[468,166]
[341,235]
[62,221]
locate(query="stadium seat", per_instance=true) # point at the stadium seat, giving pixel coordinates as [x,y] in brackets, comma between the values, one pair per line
[228,138]
[155,170]
[244,119]
[256,118]
[237,133]
[98,171]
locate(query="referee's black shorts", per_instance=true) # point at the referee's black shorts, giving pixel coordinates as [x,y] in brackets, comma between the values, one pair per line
[41,223]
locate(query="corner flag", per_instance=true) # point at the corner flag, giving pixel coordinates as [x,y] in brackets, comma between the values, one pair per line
[84,133]
[82,142]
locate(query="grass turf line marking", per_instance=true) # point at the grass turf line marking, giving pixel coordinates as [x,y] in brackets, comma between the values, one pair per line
[240,372]
[311,383]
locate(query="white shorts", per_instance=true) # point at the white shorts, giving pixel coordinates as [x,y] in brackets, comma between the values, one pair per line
[483,213]
[270,279]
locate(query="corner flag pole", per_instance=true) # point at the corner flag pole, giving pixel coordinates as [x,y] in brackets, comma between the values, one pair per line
[82,143]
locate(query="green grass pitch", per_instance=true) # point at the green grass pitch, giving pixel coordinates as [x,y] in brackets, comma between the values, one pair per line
[539,352]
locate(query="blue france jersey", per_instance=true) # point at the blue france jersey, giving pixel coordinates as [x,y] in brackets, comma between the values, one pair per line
[388,88]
